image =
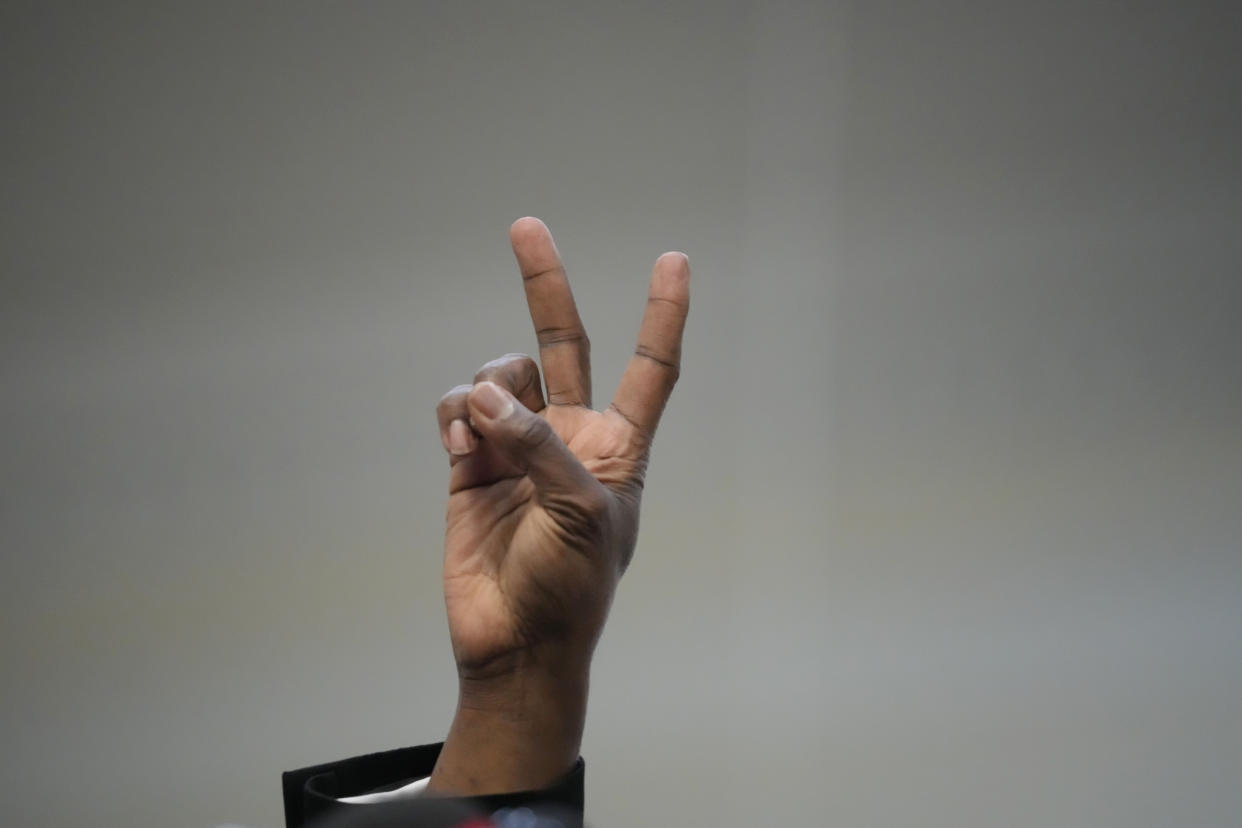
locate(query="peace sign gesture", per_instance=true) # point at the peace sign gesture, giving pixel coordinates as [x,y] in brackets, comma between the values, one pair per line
[544,494]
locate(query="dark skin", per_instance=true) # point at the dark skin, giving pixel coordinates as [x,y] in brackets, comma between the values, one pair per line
[542,519]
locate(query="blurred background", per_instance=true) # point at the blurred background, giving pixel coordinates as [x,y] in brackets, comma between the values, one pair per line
[943,524]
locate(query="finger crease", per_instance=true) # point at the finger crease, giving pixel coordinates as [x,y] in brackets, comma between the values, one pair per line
[567,397]
[677,305]
[560,336]
[646,353]
[526,278]
[633,423]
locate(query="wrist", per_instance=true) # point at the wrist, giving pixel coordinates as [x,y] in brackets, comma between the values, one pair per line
[514,730]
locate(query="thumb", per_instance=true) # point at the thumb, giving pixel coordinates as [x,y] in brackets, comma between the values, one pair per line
[528,442]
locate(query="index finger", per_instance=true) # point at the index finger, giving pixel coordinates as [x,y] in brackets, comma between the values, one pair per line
[564,350]
[653,369]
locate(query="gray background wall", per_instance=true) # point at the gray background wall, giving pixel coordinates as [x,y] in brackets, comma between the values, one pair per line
[943,525]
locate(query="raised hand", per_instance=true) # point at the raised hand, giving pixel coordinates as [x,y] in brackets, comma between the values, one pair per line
[542,520]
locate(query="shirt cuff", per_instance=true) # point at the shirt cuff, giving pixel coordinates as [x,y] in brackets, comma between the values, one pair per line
[408,791]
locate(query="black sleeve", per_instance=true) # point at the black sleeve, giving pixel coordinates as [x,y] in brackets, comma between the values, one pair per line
[311,794]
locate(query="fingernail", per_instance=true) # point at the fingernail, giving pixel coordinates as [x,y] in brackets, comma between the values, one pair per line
[461,441]
[494,403]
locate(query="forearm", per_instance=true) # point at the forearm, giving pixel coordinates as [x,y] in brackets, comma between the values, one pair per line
[517,732]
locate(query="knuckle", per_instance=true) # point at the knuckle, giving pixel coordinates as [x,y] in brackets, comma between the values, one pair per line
[524,371]
[513,371]
[454,397]
[493,366]
[488,370]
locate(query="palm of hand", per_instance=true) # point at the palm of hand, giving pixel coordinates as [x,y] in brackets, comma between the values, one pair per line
[513,567]
[543,501]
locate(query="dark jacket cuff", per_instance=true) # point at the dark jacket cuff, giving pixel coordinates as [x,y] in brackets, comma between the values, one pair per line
[311,793]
